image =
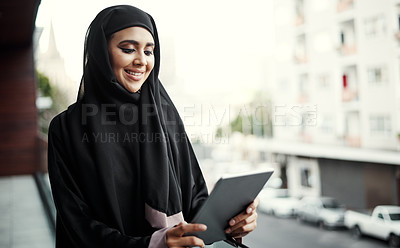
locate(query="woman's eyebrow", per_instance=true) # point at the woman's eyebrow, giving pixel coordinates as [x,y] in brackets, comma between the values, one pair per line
[134,42]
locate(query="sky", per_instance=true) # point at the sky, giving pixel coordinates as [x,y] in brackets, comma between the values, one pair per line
[211,39]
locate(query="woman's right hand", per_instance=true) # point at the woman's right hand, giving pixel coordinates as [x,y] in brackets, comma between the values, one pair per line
[176,239]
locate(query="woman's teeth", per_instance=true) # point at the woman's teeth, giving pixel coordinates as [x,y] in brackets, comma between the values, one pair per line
[135,73]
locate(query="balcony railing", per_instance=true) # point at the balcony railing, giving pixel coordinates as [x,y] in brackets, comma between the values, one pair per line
[353,140]
[299,20]
[349,95]
[347,49]
[344,5]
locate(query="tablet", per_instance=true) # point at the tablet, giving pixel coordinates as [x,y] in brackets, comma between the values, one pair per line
[230,196]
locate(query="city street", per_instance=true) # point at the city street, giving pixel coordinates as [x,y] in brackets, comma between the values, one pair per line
[274,232]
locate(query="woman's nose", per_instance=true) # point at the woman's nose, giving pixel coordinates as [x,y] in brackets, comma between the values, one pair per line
[139,59]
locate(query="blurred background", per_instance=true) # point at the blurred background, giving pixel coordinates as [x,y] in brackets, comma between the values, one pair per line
[310,88]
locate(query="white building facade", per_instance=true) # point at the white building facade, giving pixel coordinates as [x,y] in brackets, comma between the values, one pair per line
[341,60]
[336,84]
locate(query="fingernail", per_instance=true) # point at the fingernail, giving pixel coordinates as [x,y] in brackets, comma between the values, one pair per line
[228,230]
[232,222]
[203,227]
[249,210]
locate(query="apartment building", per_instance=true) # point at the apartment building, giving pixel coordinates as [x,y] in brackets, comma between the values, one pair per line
[336,92]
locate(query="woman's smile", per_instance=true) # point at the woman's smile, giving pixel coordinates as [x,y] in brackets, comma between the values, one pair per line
[135,75]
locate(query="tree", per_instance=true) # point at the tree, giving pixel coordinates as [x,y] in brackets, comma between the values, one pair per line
[254,118]
[58,101]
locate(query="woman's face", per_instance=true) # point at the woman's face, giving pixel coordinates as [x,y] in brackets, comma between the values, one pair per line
[131,53]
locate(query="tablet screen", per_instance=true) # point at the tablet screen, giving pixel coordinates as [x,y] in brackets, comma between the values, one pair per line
[231,195]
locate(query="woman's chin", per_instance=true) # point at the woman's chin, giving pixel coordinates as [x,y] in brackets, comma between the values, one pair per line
[132,88]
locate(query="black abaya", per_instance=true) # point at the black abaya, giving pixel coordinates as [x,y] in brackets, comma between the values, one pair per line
[120,164]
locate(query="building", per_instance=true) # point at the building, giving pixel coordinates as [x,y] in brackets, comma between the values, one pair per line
[19,149]
[51,64]
[336,92]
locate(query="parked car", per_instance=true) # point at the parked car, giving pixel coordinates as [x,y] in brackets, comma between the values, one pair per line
[278,202]
[324,211]
[383,223]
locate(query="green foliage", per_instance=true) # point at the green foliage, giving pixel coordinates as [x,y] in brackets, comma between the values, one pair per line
[254,118]
[237,124]
[44,84]
[59,101]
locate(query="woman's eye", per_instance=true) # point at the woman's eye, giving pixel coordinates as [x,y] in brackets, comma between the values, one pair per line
[148,53]
[127,50]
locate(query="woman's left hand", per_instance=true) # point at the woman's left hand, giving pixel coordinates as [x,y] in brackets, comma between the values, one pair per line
[245,222]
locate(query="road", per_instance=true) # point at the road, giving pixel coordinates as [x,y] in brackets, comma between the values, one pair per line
[273,232]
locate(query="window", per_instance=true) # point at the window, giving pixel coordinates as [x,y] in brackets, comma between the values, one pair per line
[327,124]
[380,125]
[324,81]
[330,203]
[352,123]
[347,38]
[303,84]
[377,75]
[347,33]
[375,26]
[398,18]
[306,177]
[395,216]
[349,78]
[349,83]
[300,52]
[397,31]
[299,8]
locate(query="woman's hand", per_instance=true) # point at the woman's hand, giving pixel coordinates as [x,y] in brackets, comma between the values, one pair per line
[245,222]
[175,236]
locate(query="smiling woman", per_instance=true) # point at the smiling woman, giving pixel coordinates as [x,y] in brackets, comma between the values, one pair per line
[132,57]
[110,191]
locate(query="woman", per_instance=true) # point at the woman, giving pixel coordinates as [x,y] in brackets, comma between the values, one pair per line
[122,170]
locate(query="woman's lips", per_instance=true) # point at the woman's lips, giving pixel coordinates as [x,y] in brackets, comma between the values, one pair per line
[135,75]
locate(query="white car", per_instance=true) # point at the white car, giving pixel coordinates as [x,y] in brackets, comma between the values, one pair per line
[383,223]
[278,202]
[324,211]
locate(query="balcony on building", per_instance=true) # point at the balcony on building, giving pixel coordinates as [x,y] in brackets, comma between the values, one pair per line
[299,10]
[300,52]
[352,136]
[349,82]
[303,88]
[347,37]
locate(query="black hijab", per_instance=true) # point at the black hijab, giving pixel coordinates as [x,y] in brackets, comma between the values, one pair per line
[122,158]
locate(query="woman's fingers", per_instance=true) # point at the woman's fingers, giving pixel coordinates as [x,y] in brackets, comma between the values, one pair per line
[176,238]
[248,212]
[253,206]
[242,231]
[185,242]
[245,225]
[245,222]
[183,228]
